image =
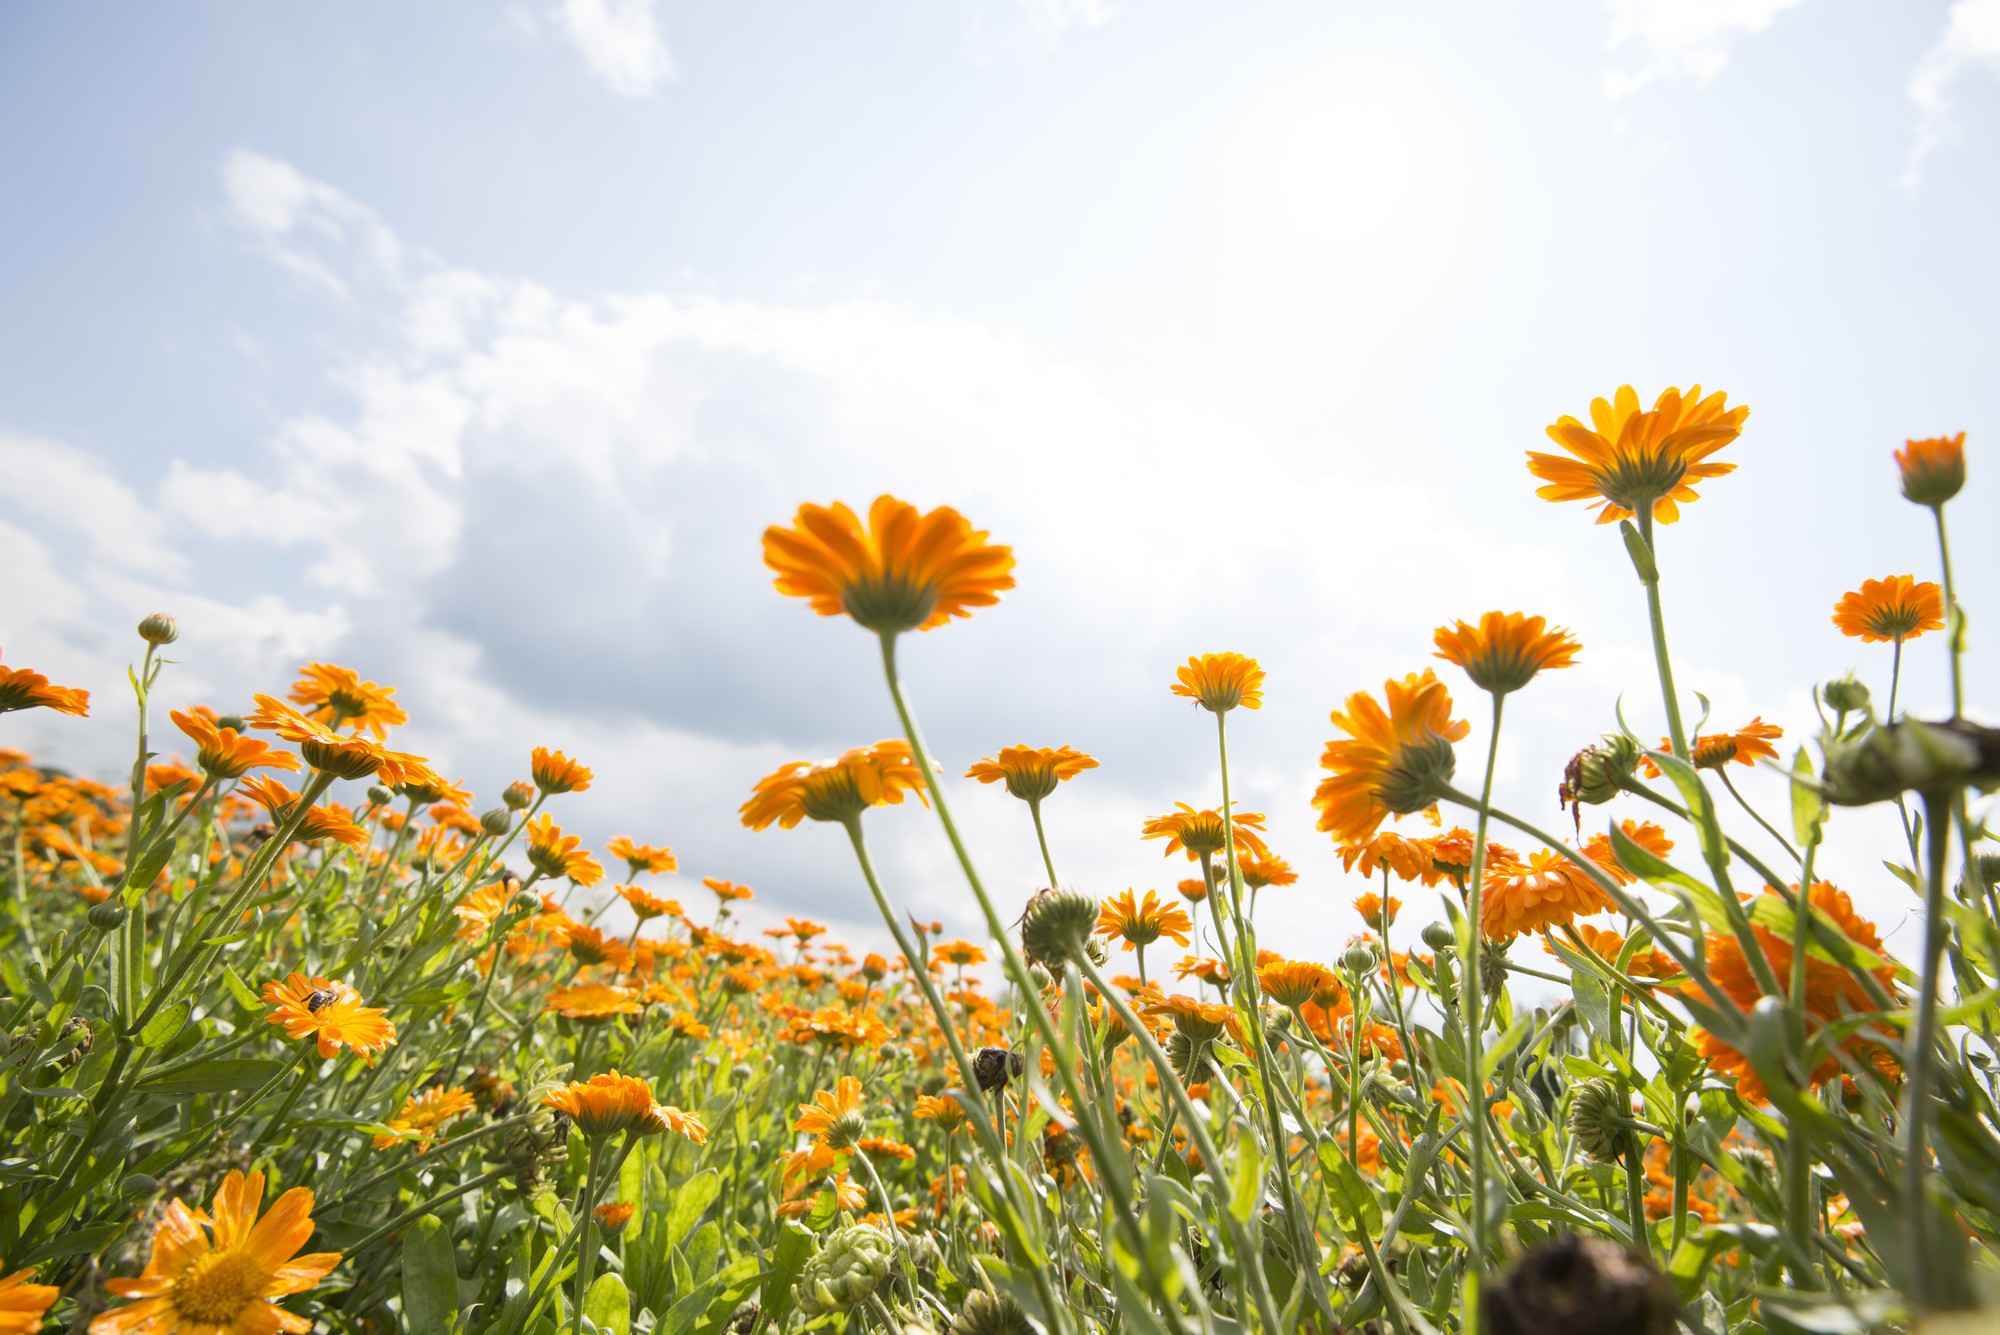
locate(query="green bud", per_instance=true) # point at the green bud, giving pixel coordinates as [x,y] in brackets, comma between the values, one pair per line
[1358,959]
[1440,936]
[137,1186]
[106,917]
[847,1269]
[379,796]
[496,822]
[159,628]
[1597,773]
[1056,926]
[1848,696]
[990,1314]
[1911,756]
[232,722]
[1597,1120]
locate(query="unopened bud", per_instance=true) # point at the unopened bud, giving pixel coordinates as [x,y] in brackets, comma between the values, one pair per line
[1596,1120]
[1358,959]
[1596,774]
[1439,936]
[379,796]
[108,916]
[497,821]
[159,628]
[1847,696]
[1911,756]
[518,795]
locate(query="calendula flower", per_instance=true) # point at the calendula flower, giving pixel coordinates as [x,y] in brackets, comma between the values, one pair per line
[1645,834]
[554,772]
[1896,608]
[1831,991]
[1606,945]
[1505,650]
[1139,923]
[589,945]
[218,1273]
[835,790]
[1261,872]
[594,1001]
[1548,891]
[1409,859]
[964,954]
[606,1104]
[1746,746]
[1221,682]
[1211,971]
[1393,761]
[343,756]
[613,1216]
[22,689]
[1933,469]
[904,570]
[1193,891]
[1197,1021]
[22,1304]
[881,1147]
[1377,911]
[1630,459]
[728,890]
[333,822]
[942,1109]
[1293,983]
[1031,773]
[665,1117]
[647,907]
[553,853]
[422,1114]
[642,857]
[833,1118]
[337,697]
[331,1013]
[1201,832]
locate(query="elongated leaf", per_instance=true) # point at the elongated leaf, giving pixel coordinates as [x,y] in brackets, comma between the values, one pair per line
[1355,1208]
[1808,807]
[694,1196]
[430,1276]
[215,1076]
[165,1026]
[795,1245]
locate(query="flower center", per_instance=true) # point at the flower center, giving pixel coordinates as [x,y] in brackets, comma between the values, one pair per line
[219,1286]
[1636,478]
[889,602]
[1893,621]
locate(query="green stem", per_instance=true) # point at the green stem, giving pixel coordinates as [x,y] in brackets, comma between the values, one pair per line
[586,1258]
[1954,625]
[1048,863]
[1468,964]
[1675,731]
[1917,1057]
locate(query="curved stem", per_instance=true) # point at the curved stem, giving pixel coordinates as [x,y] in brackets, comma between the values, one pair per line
[1048,863]
[1769,828]
[1468,964]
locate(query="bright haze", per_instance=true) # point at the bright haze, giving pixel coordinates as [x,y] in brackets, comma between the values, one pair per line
[473,346]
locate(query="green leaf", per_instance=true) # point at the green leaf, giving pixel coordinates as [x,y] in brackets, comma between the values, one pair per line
[75,1243]
[608,1305]
[693,1198]
[1808,807]
[214,1076]
[1355,1208]
[430,1276]
[1641,554]
[795,1245]
[1248,1186]
[245,995]
[1593,1003]
[1714,851]
[162,1028]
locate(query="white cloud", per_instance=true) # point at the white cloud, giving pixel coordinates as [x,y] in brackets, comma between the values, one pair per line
[1049,17]
[290,213]
[620,42]
[68,487]
[1971,39]
[1681,39]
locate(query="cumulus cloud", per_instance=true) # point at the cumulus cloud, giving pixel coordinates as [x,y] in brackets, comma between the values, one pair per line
[1681,39]
[620,42]
[1970,41]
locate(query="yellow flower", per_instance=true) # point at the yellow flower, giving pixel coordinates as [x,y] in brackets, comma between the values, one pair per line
[1896,608]
[1549,891]
[553,853]
[606,1104]
[646,907]
[1221,682]
[642,857]
[833,1119]
[1141,923]
[1261,872]
[218,1274]
[1933,469]
[22,689]
[943,1109]
[422,1114]
[1393,761]
[835,790]
[594,1001]
[330,1013]
[1629,459]
[1293,983]
[905,570]
[1505,650]
[337,697]
[1031,773]
[22,1303]
[344,757]
[555,772]
[1200,832]
[729,890]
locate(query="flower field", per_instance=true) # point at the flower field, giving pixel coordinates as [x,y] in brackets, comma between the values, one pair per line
[302,1036]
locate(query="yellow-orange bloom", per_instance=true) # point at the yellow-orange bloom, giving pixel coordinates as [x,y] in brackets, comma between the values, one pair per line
[833,1118]
[1933,469]
[1221,682]
[1409,859]
[1505,650]
[613,1216]
[607,1104]
[1393,761]
[728,890]
[1377,911]
[217,1273]
[943,1109]
[835,790]
[1293,983]
[646,907]
[1141,923]
[1896,608]
[904,570]
[330,1013]
[333,822]
[22,1303]
[1031,773]
[337,697]
[1548,891]
[594,1001]
[963,954]
[554,772]
[553,853]
[1629,459]
[22,689]
[1645,834]
[642,857]
[1199,832]
[224,753]
[339,754]
[1746,746]
[422,1114]
[1261,872]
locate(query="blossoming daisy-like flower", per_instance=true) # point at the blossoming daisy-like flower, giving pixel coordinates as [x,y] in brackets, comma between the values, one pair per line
[594,1001]
[835,790]
[905,569]
[225,753]
[1606,945]
[1746,746]
[942,1109]
[1408,859]
[1139,923]
[613,1216]
[1293,983]
[1548,891]
[1831,991]
[328,822]
[22,1304]
[339,754]
[218,1273]
[1505,650]
[422,1114]
[1645,834]
[963,954]
[1201,832]
[1193,890]
[554,772]
[1933,469]
[727,891]
[606,1104]
[337,697]
[833,1118]
[1393,761]
[330,1013]
[23,689]
[1376,911]
[1221,682]
[1261,872]
[642,857]
[1630,459]
[1896,608]
[553,853]
[1031,773]
[647,907]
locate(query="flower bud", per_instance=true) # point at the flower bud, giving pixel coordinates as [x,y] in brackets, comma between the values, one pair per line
[1439,936]
[108,916]
[1056,926]
[1911,756]
[990,1314]
[233,722]
[1595,774]
[379,796]
[496,822]
[159,628]
[847,1269]
[517,796]
[1847,696]
[1597,1120]
[137,1186]
[1933,470]
[1358,959]
[613,1216]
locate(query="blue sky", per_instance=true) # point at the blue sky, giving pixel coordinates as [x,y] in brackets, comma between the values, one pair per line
[472,345]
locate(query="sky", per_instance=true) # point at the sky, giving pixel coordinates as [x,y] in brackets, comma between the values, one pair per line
[474,345]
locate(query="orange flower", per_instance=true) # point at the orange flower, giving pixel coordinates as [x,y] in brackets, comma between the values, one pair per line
[1505,650]
[1647,835]
[1293,983]
[1394,760]
[22,1303]
[1031,773]
[1221,682]
[1141,923]
[344,757]
[22,689]
[728,890]
[554,772]
[646,907]
[1548,891]
[422,1114]
[607,1104]
[331,1013]
[1606,944]
[337,697]
[1629,459]
[961,953]
[906,570]
[1201,832]
[1193,890]
[1831,991]
[642,857]
[1896,608]
[1261,872]
[943,1109]
[613,1216]
[835,790]
[1933,469]
[833,1118]
[594,1001]
[217,1274]
[1746,746]
[1197,1021]
[1211,971]
[553,853]
[1409,859]
[1377,911]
